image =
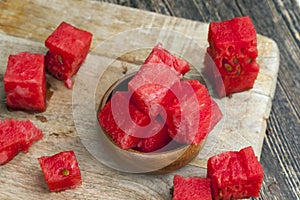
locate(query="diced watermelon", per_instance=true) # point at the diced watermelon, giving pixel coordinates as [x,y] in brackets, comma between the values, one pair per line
[151,87]
[189,114]
[25,82]
[191,188]
[61,171]
[120,127]
[68,47]
[216,115]
[159,55]
[155,142]
[235,175]
[16,136]
[233,48]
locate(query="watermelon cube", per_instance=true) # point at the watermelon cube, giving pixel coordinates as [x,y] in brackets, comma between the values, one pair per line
[160,55]
[189,114]
[152,87]
[68,47]
[16,136]
[235,174]
[123,127]
[216,115]
[191,188]
[233,48]
[25,82]
[61,171]
[155,142]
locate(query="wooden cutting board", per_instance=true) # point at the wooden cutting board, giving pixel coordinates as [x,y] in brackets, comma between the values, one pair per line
[25,24]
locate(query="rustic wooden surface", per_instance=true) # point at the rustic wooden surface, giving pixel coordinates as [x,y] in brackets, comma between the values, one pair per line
[98,180]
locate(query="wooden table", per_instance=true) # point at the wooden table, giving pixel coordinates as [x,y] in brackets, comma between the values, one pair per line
[280,153]
[279,20]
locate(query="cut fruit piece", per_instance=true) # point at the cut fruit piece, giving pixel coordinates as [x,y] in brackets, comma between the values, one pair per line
[111,120]
[159,55]
[233,48]
[216,115]
[61,171]
[235,174]
[25,82]
[16,136]
[155,142]
[68,47]
[152,87]
[191,188]
[129,127]
[189,114]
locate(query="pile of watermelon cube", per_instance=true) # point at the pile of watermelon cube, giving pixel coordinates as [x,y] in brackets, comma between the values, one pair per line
[230,175]
[25,88]
[159,106]
[25,75]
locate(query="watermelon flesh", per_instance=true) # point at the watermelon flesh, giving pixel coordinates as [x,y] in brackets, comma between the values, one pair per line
[233,48]
[61,171]
[151,87]
[189,114]
[109,122]
[25,82]
[68,47]
[159,55]
[235,175]
[216,115]
[129,127]
[191,188]
[155,142]
[16,136]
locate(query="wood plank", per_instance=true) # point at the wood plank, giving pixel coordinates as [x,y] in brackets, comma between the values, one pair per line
[60,130]
[278,20]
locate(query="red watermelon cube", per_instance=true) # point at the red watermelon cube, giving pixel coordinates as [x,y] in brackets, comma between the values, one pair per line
[191,188]
[235,174]
[61,171]
[25,82]
[123,127]
[152,87]
[16,136]
[159,55]
[216,115]
[68,47]
[155,142]
[189,114]
[233,48]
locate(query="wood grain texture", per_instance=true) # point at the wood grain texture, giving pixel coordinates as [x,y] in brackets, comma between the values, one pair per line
[278,20]
[281,149]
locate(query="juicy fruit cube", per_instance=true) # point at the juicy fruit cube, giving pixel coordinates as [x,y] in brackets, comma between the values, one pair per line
[123,129]
[152,87]
[25,82]
[68,47]
[216,115]
[155,142]
[233,48]
[160,55]
[189,114]
[16,136]
[191,188]
[61,171]
[235,175]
